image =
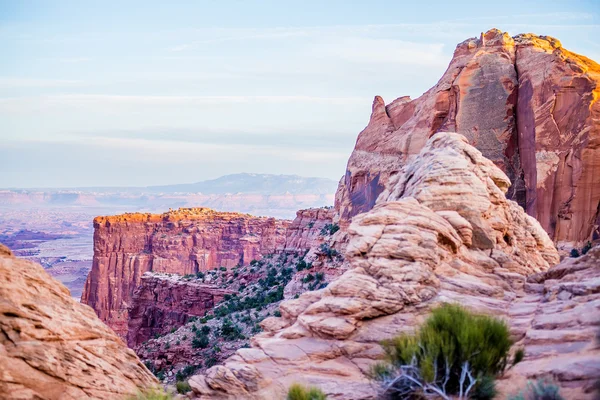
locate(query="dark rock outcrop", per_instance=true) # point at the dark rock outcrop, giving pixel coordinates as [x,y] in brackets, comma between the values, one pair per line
[163,302]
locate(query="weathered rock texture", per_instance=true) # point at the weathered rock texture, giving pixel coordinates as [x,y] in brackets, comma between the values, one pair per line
[163,302]
[304,233]
[442,232]
[52,347]
[526,103]
[183,242]
[557,322]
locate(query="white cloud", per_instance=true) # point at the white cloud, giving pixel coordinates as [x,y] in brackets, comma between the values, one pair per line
[383,51]
[27,103]
[13,82]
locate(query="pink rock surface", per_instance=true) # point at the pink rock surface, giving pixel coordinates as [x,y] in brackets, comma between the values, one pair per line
[52,347]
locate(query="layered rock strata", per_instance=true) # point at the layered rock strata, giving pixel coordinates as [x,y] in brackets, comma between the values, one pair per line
[526,103]
[52,347]
[304,233]
[185,241]
[442,232]
[163,302]
[557,323]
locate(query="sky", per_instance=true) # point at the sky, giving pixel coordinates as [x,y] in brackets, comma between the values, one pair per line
[135,93]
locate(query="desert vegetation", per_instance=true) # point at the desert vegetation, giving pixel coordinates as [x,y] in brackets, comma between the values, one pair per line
[539,390]
[235,319]
[455,354]
[299,392]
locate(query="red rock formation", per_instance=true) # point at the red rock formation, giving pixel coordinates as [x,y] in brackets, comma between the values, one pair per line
[163,302]
[526,103]
[183,242]
[304,232]
[443,232]
[558,116]
[52,347]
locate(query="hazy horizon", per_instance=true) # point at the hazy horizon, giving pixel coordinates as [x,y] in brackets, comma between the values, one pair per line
[151,93]
[162,185]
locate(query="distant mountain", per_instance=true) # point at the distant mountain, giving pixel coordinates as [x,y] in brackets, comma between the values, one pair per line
[243,183]
[264,184]
[259,194]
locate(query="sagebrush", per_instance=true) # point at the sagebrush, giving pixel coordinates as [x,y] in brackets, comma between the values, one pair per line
[455,352]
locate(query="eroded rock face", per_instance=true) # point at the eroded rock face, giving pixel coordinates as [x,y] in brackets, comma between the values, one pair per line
[181,242]
[526,103]
[558,116]
[52,347]
[164,302]
[443,231]
[556,322]
[304,233]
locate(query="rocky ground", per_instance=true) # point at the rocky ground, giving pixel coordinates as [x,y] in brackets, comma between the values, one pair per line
[255,292]
[443,232]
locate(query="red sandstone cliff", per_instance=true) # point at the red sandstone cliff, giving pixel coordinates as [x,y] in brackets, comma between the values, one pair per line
[526,103]
[184,242]
[162,303]
[304,232]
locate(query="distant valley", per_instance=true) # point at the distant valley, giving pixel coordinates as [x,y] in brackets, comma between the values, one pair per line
[53,226]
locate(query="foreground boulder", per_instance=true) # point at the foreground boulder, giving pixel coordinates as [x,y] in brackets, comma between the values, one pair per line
[52,347]
[442,232]
[526,103]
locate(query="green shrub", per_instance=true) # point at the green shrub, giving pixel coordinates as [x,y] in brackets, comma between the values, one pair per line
[151,394]
[453,352]
[484,389]
[200,342]
[183,387]
[149,365]
[211,361]
[299,392]
[539,390]
[301,265]
[230,331]
[181,375]
[329,229]
[574,253]
[519,356]
[325,249]
[205,329]
[586,248]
